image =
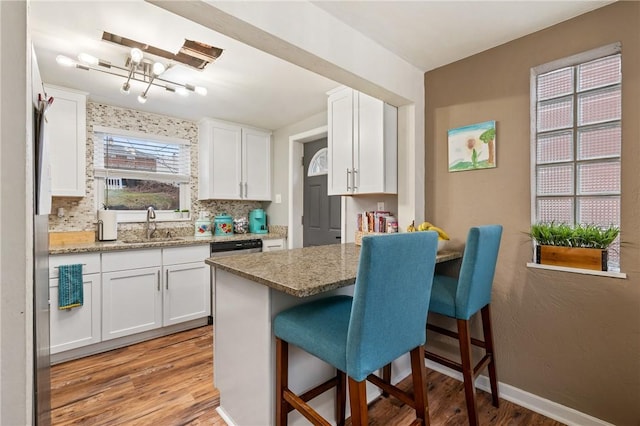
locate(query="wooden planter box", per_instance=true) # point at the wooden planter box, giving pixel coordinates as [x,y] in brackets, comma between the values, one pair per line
[572,257]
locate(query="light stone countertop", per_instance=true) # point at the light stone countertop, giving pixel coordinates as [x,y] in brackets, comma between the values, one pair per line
[102,246]
[305,271]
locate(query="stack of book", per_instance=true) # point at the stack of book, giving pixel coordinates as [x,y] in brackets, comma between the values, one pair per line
[375,222]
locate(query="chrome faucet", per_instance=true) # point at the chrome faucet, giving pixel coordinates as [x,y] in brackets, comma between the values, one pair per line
[151,214]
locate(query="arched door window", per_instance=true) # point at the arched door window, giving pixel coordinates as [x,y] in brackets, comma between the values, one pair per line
[318,164]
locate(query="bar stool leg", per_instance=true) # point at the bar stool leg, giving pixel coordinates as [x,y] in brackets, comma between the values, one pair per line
[488,341]
[358,400]
[341,397]
[467,371]
[282,381]
[419,377]
[386,377]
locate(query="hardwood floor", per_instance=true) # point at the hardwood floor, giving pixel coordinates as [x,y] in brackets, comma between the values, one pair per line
[168,381]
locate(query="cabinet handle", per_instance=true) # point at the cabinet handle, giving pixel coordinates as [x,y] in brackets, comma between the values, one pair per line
[354,179]
[246,191]
[348,179]
[167,279]
[240,189]
[158,280]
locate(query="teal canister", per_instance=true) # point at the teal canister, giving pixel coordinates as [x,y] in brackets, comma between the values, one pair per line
[223,225]
[203,225]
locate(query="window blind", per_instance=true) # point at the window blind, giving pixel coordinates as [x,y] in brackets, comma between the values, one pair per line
[134,157]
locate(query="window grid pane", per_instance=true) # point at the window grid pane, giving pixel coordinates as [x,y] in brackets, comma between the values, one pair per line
[555,180]
[599,73]
[556,114]
[600,142]
[555,84]
[602,211]
[599,178]
[598,107]
[558,210]
[555,147]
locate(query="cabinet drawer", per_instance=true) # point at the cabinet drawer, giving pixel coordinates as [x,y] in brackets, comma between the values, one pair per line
[176,255]
[273,245]
[90,262]
[131,259]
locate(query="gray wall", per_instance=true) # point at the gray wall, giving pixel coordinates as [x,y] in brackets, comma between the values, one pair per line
[570,338]
[278,213]
[16,226]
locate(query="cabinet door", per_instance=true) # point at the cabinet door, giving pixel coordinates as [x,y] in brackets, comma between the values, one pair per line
[67,135]
[369,163]
[75,327]
[220,150]
[131,302]
[187,292]
[256,166]
[340,142]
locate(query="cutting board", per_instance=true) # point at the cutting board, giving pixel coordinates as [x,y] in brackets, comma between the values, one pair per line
[71,237]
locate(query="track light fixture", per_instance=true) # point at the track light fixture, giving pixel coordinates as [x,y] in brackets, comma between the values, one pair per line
[137,69]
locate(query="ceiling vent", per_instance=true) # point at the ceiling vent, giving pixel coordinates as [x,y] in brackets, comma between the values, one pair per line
[192,53]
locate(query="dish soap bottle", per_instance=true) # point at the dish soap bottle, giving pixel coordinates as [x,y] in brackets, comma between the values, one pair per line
[203,225]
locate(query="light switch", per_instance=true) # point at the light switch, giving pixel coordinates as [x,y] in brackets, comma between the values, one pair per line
[381,206]
[278,198]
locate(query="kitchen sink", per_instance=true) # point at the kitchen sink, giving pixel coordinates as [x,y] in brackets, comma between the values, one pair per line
[153,240]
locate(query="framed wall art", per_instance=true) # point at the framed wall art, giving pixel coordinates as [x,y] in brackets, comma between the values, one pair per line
[472,147]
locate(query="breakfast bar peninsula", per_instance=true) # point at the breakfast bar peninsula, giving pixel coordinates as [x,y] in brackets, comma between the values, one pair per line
[250,290]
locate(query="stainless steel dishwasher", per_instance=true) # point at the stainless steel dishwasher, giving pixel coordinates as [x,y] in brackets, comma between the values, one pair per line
[230,248]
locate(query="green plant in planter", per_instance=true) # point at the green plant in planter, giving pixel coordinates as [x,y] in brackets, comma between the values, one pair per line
[564,235]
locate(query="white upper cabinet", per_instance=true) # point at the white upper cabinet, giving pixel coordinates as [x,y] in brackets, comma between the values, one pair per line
[362,144]
[234,162]
[66,130]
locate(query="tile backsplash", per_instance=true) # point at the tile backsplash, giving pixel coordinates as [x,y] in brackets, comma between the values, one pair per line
[80,213]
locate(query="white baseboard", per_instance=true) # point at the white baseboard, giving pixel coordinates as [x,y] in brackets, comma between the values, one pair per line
[225,417]
[532,402]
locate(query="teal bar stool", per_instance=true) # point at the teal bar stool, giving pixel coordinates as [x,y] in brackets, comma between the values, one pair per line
[384,320]
[461,298]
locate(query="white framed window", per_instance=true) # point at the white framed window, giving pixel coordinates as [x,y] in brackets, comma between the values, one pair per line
[576,121]
[136,170]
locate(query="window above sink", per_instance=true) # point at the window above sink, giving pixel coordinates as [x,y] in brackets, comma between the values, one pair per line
[136,170]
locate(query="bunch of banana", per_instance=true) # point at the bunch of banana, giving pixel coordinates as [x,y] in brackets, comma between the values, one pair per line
[426,226]
[412,227]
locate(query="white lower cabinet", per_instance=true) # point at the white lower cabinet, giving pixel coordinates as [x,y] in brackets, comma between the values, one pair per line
[131,298]
[187,292]
[129,292]
[80,326]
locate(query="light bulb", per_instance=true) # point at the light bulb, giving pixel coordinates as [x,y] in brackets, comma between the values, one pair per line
[87,59]
[65,61]
[182,91]
[125,88]
[136,55]
[142,98]
[158,68]
[201,90]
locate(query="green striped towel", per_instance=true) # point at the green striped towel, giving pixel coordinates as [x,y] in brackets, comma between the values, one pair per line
[70,286]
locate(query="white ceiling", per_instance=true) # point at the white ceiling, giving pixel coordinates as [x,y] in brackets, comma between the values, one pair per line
[252,87]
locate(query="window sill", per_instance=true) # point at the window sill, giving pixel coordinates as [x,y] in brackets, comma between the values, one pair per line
[609,274]
[161,216]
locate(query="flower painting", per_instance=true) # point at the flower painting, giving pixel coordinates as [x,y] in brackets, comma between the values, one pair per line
[472,147]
